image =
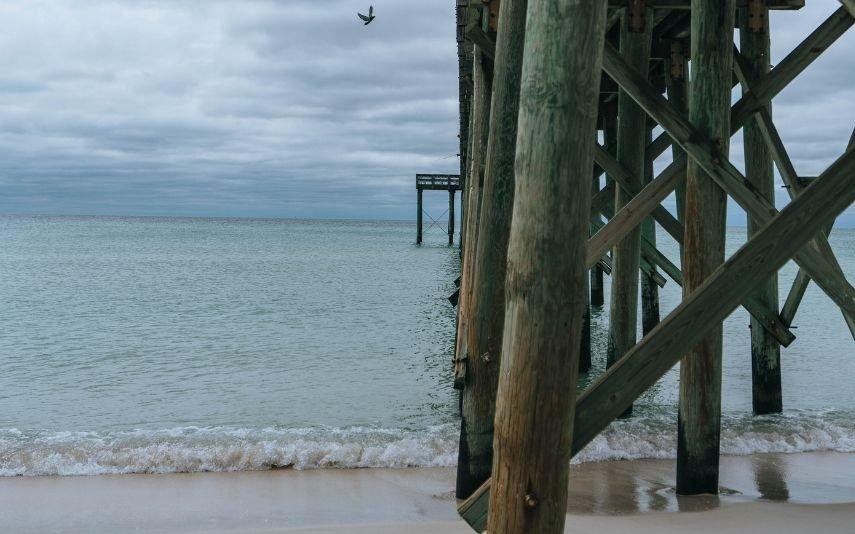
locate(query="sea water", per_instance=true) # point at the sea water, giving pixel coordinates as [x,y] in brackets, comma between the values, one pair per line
[133,345]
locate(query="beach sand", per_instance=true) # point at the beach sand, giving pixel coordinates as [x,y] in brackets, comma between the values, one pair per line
[809,492]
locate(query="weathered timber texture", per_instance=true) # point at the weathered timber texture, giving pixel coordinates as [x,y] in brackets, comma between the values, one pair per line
[649,289]
[480,130]
[765,350]
[800,283]
[658,352]
[677,86]
[708,156]
[705,308]
[699,415]
[631,142]
[490,259]
[546,266]
[784,72]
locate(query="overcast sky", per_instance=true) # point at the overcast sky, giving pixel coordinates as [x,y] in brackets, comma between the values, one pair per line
[278,109]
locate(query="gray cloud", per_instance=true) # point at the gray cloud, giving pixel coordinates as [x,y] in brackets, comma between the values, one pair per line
[266,108]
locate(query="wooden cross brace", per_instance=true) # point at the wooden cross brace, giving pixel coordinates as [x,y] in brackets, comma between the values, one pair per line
[700,312]
[705,152]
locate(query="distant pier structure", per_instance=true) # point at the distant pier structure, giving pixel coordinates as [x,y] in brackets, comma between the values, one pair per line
[436,182]
[564,108]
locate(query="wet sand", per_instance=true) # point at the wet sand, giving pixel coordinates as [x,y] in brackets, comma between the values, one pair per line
[813,492]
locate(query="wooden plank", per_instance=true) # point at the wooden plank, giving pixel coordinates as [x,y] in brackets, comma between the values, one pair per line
[705,308]
[649,289]
[801,281]
[545,292]
[850,6]
[481,40]
[768,134]
[632,214]
[720,169]
[779,77]
[487,307]
[650,258]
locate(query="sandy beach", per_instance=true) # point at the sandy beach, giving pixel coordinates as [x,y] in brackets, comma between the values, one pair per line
[761,493]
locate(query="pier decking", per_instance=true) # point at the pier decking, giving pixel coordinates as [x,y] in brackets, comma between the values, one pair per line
[549,210]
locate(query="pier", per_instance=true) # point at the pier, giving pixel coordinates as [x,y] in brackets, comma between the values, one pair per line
[436,182]
[559,103]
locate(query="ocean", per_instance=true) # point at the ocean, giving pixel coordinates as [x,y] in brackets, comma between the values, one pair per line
[155,345]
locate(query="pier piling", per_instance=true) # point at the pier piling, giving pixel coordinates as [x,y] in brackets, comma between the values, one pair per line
[537,242]
[545,293]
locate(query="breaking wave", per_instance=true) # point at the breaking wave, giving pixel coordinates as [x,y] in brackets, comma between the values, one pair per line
[195,449]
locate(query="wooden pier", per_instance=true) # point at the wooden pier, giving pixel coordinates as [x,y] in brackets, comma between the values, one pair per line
[558,102]
[436,182]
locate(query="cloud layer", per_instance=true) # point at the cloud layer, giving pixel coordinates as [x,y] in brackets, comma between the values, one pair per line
[265,108]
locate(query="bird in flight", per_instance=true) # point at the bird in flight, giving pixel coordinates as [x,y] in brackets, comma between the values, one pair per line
[370,16]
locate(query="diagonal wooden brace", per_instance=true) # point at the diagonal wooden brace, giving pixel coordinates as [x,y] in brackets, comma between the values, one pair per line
[700,312]
[705,152]
[637,209]
[778,78]
[788,172]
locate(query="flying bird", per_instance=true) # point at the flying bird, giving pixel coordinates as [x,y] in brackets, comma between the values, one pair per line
[370,16]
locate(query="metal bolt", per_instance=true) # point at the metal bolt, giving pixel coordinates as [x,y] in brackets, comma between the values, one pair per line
[531,501]
[486,357]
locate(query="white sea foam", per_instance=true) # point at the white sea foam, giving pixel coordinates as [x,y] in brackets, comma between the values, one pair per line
[194,449]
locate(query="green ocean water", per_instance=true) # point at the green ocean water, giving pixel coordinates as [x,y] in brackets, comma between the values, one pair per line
[178,344]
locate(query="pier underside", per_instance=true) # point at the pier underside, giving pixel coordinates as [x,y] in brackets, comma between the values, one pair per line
[559,103]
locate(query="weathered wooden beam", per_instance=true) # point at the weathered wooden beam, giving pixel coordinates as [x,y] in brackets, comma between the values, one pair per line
[699,409]
[631,216]
[632,188]
[768,134]
[707,306]
[849,5]
[705,152]
[649,290]
[481,40]
[650,257]
[545,292]
[635,42]
[779,77]
[479,130]
[487,308]
[765,351]
[801,281]
[703,310]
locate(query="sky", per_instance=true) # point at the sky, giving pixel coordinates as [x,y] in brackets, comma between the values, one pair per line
[280,108]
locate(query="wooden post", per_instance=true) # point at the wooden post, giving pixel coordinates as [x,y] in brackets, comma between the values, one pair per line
[649,288]
[632,138]
[464,354]
[609,114]
[484,343]
[419,211]
[765,350]
[696,316]
[450,217]
[699,419]
[585,347]
[546,266]
[677,85]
